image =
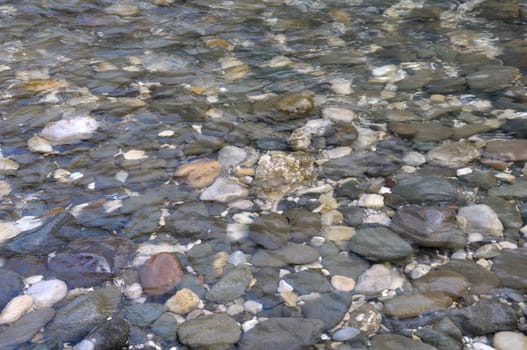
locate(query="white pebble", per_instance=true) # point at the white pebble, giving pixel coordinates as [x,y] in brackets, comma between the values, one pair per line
[252,306]
[237,258]
[16,308]
[283,286]
[33,279]
[235,309]
[372,201]
[247,325]
[47,293]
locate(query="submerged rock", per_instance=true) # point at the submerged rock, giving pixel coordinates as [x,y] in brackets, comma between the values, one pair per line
[379,244]
[214,332]
[161,273]
[508,150]
[69,131]
[25,328]
[109,335]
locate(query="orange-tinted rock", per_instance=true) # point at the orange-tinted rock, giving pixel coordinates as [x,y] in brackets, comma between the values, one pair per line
[402,129]
[161,273]
[200,173]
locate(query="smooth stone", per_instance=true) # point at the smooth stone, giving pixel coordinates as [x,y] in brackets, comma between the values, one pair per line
[282,333]
[402,129]
[360,163]
[48,344]
[467,130]
[338,115]
[296,105]
[166,326]
[492,78]
[215,332]
[338,232]
[270,231]
[303,224]
[11,286]
[161,273]
[80,315]
[195,220]
[231,156]
[414,158]
[453,154]
[507,150]
[47,293]
[509,340]
[449,328]
[25,328]
[379,244]
[431,132]
[108,335]
[371,201]
[224,190]
[397,342]
[429,226]
[426,188]
[487,316]
[366,318]
[349,265]
[16,308]
[517,190]
[291,254]
[307,281]
[439,340]
[122,10]
[480,279]
[488,251]
[143,315]
[505,266]
[90,261]
[481,218]
[232,285]
[183,302]
[343,283]
[412,305]
[329,307]
[345,334]
[378,278]
[507,212]
[446,282]
[200,173]
[70,131]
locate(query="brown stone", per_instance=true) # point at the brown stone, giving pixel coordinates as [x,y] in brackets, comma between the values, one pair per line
[298,103]
[508,150]
[200,173]
[161,273]
[402,129]
[446,282]
[405,306]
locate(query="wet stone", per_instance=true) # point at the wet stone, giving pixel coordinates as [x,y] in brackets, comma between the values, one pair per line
[194,220]
[487,316]
[349,265]
[507,150]
[480,279]
[200,173]
[366,318]
[110,334]
[303,224]
[48,344]
[345,334]
[405,306]
[291,254]
[505,266]
[160,274]
[279,333]
[144,314]
[296,105]
[166,326]
[398,342]
[481,219]
[80,315]
[453,154]
[224,190]
[270,231]
[47,293]
[232,285]
[329,307]
[25,328]
[305,282]
[426,189]
[11,286]
[509,340]
[429,226]
[379,244]
[492,78]
[214,332]
[446,282]
[378,278]
[517,190]
[438,339]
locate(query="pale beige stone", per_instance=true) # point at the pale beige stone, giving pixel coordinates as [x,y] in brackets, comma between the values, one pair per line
[509,341]
[343,283]
[183,302]
[16,308]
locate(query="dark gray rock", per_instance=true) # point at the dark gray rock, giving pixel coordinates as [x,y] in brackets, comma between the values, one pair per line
[438,339]
[492,78]
[282,333]
[91,261]
[481,280]
[270,231]
[487,316]
[142,222]
[517,190]
[330,308]
[214,332]
[144,314]
[25,328]
[83,313]
[267,279]
[193,220]
[304,224]
[507,211]
[379,244]
[48,344]
[429,226]
[232,285]
[419,189]
[305,282]
[11,286]
[166,326]
[108,335]
[506,267]
[350,265]
[291,254]
[360,164]
[397,342]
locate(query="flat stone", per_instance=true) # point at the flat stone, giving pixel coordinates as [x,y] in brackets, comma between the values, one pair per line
[371,201]
[397,342]
[47,293]
[509,340]
[419,189]
[378,278]
[453,154]
[232,285]
[166,326]
[492,78]
[431,132]
[338,232]
[480,279]
[143,315]
[303,224]
[487,316]
[282,333]
[109,334]
[345,334]
[307,281]
[291,254]
[161,273]
[505,266]
[183,302]
[16,308]
[379,244]
[429,226]
[200,173]
[343,283]
[296,105]
[446,282]
[518,190]
[481,218]
[439,340]
[11,286]
[366,318]
[215,332]
[350,265]
[25,328]
[412,305]
[330,307]
[507,150]
[231,156]
[224,190]
[271,231]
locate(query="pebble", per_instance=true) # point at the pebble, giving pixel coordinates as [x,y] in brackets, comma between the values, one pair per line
[481,219]
[122,10]
[404,306]
[509,340]
[453,154]
[109,334]
[508,150]
[215,331]
[378,278]
[366,318]
[414,158]
[343,283]
[8,166]
[47,293]
[232,285]
[379,244]
[345,334]
[39,144]
[338,115]
[69,131]
[183,302]
[200,173]
[16,308]
[338,232]
[160,274]
[224,190]
[253,307]
[371,201]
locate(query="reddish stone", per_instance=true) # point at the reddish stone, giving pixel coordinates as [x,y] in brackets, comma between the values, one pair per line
[161,273]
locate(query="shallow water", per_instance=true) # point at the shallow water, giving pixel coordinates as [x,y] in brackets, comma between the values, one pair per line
[340,108]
